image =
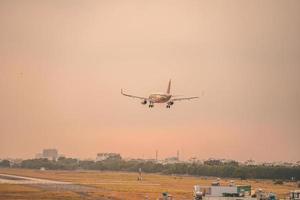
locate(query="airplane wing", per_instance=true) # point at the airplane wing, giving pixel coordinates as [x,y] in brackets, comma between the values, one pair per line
[128,95]
[183,98]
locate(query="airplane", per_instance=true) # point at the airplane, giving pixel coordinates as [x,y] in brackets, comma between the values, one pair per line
[167,98]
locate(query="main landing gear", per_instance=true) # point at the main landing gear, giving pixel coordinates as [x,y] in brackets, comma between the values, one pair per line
[169,104]
[151,105]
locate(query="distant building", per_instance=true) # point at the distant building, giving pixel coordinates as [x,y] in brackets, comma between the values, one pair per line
[193,160]
[250,162]
[171,160]
[16,161]
[50,154]
[108,156]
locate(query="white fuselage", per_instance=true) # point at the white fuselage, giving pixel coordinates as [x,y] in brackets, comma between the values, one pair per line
[159,98]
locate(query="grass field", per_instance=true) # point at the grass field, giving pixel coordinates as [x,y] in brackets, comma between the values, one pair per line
[121,185]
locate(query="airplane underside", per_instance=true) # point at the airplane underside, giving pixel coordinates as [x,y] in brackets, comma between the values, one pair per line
[151,103]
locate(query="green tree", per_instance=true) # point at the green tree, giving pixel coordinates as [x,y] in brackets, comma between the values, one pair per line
[4,163]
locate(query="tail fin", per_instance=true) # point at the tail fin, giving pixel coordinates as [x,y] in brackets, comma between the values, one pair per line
[169,87]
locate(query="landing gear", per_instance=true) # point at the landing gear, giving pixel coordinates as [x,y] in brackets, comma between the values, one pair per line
[151,105]
[169,104]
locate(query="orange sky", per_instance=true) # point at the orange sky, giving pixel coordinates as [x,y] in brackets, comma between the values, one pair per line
[62,64]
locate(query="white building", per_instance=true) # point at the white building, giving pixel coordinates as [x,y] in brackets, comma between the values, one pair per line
[215,191]
[50,154]
[223,191]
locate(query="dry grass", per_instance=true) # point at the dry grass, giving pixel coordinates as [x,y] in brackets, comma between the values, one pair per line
[123,185]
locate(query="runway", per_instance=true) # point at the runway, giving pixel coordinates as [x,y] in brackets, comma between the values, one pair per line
[48,185]
[14,179]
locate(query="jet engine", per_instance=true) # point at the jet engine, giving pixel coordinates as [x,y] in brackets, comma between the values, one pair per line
[144,102]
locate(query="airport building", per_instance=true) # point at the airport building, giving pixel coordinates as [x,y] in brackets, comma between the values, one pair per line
[218,192]
[295,195]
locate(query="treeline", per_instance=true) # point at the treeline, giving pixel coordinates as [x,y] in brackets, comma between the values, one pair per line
[210,168]
[4,163]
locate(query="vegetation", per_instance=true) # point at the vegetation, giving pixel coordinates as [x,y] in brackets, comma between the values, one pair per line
[209,168]
[4,163]
[61,163]
[278,182]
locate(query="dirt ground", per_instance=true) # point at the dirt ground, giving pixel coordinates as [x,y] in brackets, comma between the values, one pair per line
[119,185]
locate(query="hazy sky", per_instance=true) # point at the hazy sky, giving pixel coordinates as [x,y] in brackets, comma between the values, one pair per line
[62,64]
